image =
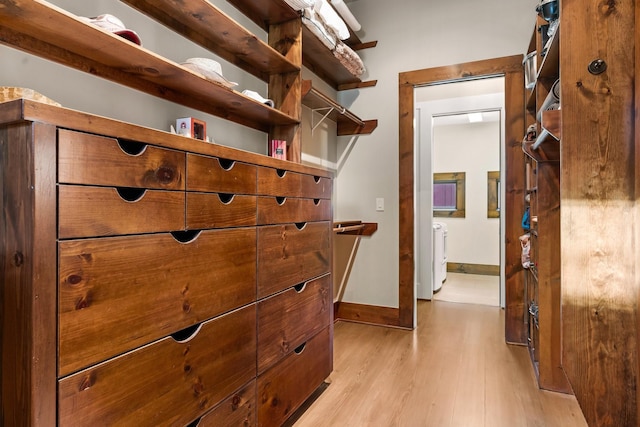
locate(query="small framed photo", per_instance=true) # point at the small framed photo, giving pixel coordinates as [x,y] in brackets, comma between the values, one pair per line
[191,127]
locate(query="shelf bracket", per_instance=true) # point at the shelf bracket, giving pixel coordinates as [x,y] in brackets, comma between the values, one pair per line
[328,110]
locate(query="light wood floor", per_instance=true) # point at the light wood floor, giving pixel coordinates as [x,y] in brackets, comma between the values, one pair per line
[453,370]
[470,288]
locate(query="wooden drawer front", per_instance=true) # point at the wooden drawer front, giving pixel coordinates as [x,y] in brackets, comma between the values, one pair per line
[283,388]
[278,182]
[220,175]
[98,160]
[290,318]
[288,256]
[316,187]
[276,210]
[128,291]
[101,211]
[238,410]
[167,382]
[211,210]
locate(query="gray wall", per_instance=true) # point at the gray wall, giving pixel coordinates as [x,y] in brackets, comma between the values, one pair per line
[412,34]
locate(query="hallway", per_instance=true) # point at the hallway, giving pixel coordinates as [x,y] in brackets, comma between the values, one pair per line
[453,370]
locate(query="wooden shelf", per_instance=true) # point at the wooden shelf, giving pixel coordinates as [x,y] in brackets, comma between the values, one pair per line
[355,228]
[265,13]
[544,153]
[348,123]
[552,122]
[204,24]
[315,55]
[549,67]
[52,33]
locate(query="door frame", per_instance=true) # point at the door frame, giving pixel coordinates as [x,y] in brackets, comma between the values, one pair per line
[511,68]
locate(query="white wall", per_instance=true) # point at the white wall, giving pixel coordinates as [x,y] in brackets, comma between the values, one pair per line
[412,34]
[472,148]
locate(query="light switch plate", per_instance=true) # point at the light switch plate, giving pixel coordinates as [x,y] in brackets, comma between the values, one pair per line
[380,204]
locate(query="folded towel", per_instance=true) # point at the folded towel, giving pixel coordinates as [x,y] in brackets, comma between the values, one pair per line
[317,27]
[331,19]
[349,58]
[299,4]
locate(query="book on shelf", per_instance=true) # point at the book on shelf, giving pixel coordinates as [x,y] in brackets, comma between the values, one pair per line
[278,149]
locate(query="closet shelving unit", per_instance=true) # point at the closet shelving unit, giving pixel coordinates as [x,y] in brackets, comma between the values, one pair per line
[45,30]
[52,33]
[315,55]
[542,197]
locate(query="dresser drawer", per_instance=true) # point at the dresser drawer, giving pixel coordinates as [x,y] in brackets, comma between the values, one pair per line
[279,210]
[279,182]
[290,318]
[97,160]
[103,211]
[284,387]
[169,382]
[211,210]
[288,256]
[238,410]
[316,187]
[220,175]
[128,291]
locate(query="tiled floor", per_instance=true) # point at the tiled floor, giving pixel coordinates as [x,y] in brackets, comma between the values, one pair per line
[470,289]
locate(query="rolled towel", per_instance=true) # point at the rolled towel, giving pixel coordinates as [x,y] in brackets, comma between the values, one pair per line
[331,19]
[346,14]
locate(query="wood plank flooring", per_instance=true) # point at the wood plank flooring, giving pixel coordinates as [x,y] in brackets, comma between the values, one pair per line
[453,370]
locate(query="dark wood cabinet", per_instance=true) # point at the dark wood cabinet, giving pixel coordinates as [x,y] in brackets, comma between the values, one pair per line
[122,311]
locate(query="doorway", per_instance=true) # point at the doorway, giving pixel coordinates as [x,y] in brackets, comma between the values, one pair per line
[459,134]
[511,69]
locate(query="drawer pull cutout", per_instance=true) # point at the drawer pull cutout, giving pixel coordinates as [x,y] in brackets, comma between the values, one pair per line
[281,172]
[187,236]
[300,287]
[186,334]
[195,423]
[130,194]
[316,202]
[281,200]
[226,164]
[301,225]
[299,349]
[316,179]
[225,198]
[132,148]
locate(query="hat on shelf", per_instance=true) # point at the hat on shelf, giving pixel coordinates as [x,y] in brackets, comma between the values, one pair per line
[113,25]
[210,69]
[256,96]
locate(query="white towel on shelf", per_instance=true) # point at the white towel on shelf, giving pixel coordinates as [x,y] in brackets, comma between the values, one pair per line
[317,27]
[299,4]
[331,19]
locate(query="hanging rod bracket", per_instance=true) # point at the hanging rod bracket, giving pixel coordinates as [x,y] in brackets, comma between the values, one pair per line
[318,110]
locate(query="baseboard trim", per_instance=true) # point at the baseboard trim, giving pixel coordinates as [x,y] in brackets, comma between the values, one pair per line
[370,314]
[483,269]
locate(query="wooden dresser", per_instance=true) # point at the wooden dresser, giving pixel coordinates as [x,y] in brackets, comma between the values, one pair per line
[150,279]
